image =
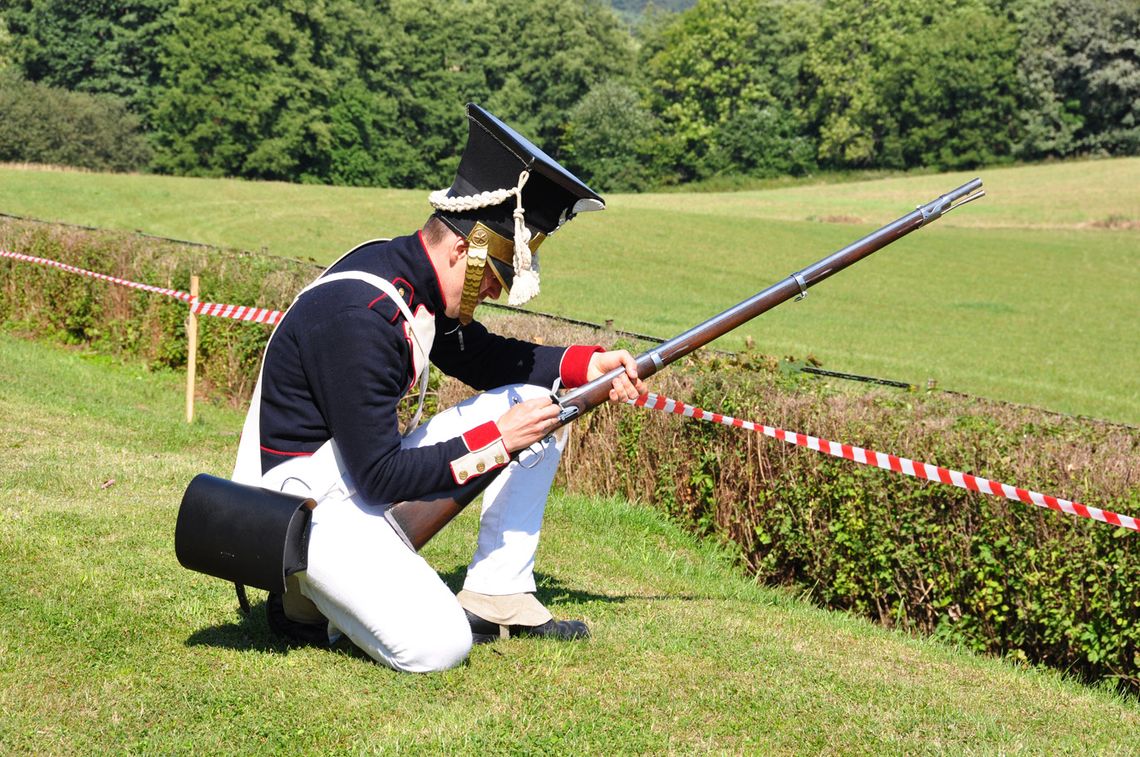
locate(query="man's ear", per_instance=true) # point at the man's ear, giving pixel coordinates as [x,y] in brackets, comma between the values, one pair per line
[458,250]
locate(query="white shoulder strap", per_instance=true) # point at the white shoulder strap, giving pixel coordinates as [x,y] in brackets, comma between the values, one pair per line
[247,469]
[382,284]
[386,286]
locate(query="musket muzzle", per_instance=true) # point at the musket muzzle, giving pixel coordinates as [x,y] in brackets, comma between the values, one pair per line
[966,193]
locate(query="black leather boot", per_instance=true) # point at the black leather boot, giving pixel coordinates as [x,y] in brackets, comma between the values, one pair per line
[566,630]
[299,634]
[484,631]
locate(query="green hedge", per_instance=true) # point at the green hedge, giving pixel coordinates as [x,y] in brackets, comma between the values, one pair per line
[46,302]
[994,575]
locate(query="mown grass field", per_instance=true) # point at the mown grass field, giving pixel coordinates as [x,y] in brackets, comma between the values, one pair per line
[1028,295]
[108,646]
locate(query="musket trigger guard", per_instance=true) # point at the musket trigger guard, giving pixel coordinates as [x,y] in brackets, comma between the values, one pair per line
[536,455]
[799,277]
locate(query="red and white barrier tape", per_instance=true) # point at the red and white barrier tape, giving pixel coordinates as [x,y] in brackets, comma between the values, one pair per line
[893,463]
[184,296]
[236,312]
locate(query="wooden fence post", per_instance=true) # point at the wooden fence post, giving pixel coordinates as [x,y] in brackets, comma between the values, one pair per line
[191,350]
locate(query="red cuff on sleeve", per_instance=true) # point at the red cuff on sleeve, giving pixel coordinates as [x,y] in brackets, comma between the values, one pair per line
[575,362]
[481,436]
[486,451]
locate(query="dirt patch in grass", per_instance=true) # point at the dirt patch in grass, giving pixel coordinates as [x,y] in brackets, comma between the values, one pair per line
[1113,223]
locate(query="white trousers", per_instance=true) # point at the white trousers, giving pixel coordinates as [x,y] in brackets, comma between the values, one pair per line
[386,598]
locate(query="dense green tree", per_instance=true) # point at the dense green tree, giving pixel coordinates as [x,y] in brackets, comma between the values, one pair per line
[761,141]
[5,46]
[430,69]
[1050,122]
[377,133]
[90,45]
[267,90]
[952,93]
[1079,67]
[898,83]
[721,59]
[363,149]
[353,93]
[543,56]
[237,88]
[609,139]
[1109,58]
[857,43]
[372,92]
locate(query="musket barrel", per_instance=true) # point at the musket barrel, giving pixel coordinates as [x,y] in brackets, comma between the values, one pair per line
[586,397]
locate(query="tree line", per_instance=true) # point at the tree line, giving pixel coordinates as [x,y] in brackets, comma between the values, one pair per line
[370,92]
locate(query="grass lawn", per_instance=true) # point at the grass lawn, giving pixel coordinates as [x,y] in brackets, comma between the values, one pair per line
[108,645]
[1028,295]
[302,221]
[1075,194]
[1039,317]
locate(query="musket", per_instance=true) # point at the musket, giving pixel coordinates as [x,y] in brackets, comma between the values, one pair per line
[419,520]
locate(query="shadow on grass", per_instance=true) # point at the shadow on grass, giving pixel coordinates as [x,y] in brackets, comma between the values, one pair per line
[551,591]
[251,632]
[246,632]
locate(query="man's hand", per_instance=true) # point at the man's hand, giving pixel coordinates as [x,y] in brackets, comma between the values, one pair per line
[527,422]
[627,386]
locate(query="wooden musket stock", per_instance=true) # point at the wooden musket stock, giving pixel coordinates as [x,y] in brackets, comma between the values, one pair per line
[419,520]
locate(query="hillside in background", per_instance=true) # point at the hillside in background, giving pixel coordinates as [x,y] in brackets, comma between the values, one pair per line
[635,10]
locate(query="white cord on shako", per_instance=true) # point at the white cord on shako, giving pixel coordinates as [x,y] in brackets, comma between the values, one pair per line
[525,285]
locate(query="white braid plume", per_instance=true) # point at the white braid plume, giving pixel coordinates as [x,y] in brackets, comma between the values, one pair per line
[440,201]
[526,283]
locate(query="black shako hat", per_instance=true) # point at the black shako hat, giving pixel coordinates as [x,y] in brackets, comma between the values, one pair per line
[508,195]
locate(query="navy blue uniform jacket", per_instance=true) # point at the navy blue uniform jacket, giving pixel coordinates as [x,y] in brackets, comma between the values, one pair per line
[341,360]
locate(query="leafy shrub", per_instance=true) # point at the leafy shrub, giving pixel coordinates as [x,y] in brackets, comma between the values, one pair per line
[53,126]
[762,142]
[607,139]
[994,575]
[75,309]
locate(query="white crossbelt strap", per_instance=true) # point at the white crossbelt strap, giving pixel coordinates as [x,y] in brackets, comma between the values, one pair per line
[247,469]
